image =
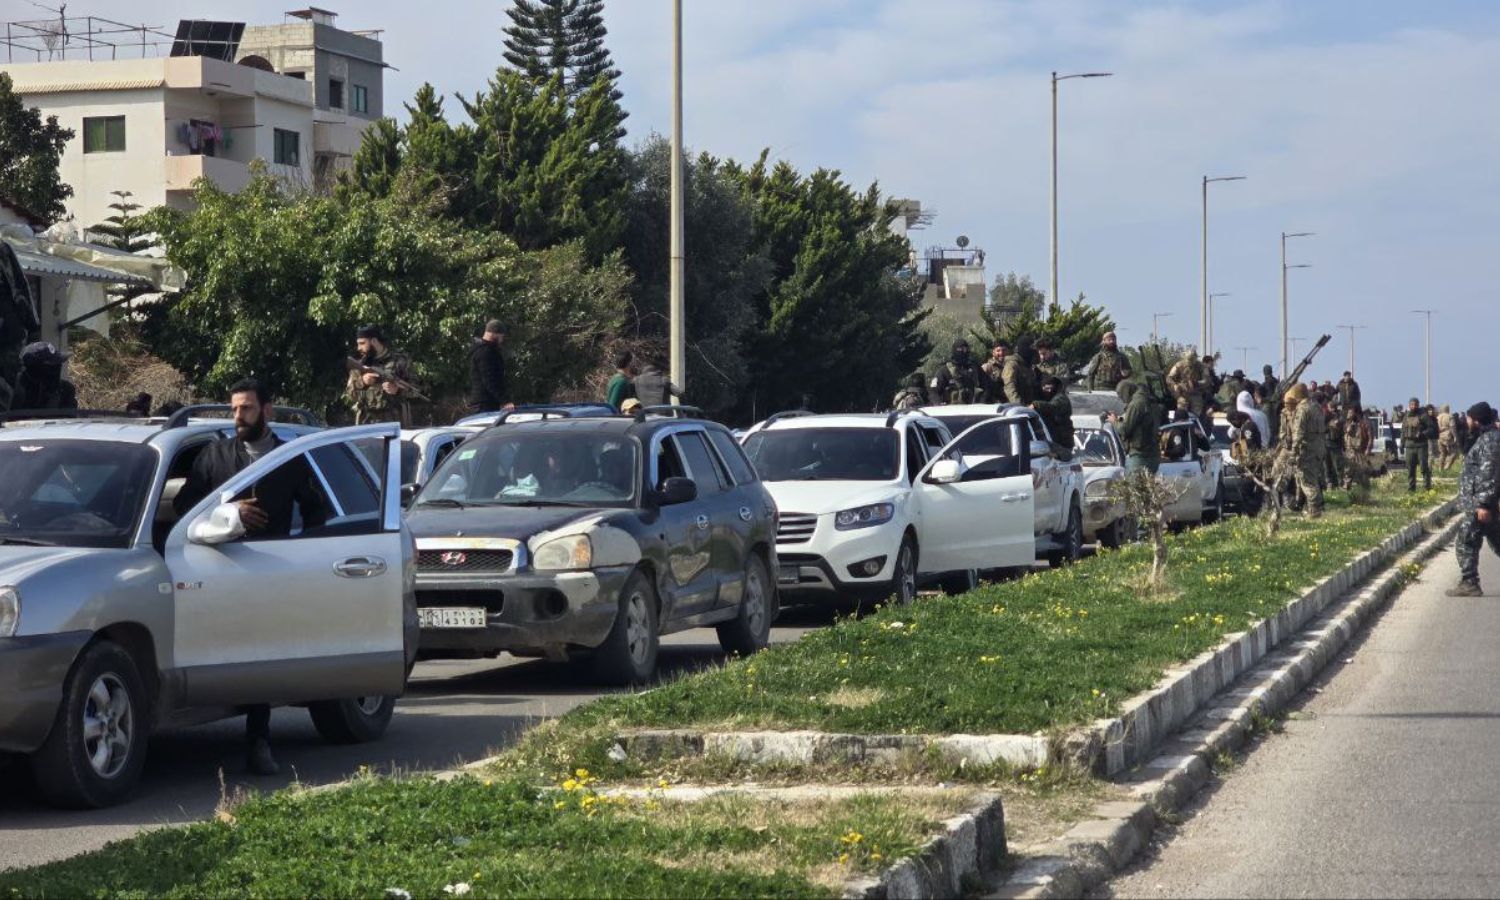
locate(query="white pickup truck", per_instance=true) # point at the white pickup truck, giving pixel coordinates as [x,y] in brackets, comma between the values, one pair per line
[1057,479]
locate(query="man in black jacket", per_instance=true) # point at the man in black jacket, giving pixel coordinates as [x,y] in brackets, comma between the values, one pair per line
[265,511]
[487,369]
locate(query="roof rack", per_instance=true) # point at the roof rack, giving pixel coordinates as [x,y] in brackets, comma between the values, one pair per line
[789,414]
[895,414]
[674,412]
[544,412]
[182,416]
[22,415]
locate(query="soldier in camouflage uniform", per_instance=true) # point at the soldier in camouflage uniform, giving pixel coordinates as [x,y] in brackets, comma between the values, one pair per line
[913,396]
[959,380]
[1334,433]
[1416,429]
[994,371]
[1050,365]
[1138,428]
[1304,447]
[1109,366]
[1019,378]
[1447,438]
[377,399]
[1478,496]
[1357,442]
[1187,379]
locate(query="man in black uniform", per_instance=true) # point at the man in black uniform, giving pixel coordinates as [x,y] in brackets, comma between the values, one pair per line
[487,369]
[266,511]
[41,385]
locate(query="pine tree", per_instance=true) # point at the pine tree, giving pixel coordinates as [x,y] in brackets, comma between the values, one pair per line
[561,39]
[124,230]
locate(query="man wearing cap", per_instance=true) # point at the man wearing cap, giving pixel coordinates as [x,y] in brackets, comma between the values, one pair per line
[1109,366]
[487,369]
[1478,499]
[376,396]
[40,384]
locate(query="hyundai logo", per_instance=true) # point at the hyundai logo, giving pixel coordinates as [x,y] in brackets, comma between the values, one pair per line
[454,558]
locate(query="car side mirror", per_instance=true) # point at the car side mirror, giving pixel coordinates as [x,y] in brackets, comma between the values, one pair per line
[408,494]
[946,471]
[1040,448]
[219,525]
[676,491]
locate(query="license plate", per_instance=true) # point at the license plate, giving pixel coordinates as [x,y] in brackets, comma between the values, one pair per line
[789,575]
[452,617]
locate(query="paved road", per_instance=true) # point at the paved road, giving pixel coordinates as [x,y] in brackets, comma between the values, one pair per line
[1384,782]
[454,712]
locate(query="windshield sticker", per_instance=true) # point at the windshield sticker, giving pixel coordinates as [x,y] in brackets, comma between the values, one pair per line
[466,454]
[30,448]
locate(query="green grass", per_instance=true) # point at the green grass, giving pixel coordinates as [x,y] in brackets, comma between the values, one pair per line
[503,839]
[1049,651]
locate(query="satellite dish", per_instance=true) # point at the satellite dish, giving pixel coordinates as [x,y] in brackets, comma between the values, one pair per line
[963,241]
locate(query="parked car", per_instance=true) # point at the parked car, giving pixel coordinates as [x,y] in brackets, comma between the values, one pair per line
[1095,403]
[533,412]
[592,537]
[1190,463]
[118,617]
[1058,480]
[424,449]
[1097,446]
[872,505]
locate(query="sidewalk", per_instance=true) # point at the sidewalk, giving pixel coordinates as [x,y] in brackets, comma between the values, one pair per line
[1383,784]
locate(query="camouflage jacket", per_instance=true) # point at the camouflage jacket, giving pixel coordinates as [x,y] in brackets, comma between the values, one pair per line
[956,383]
[909,398]
[1138,427]
[1419,427]
[1056,367]
[1019,381]
[1306,439]
[1477,485]
[374,399]
[1107,369]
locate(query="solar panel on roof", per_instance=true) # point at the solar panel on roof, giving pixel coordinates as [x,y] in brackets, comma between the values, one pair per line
[201,37]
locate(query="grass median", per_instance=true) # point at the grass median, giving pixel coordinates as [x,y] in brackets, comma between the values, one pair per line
[1052,650]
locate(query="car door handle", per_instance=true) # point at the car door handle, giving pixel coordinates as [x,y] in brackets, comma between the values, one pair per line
[1014,498]
[360,567]
[703,522]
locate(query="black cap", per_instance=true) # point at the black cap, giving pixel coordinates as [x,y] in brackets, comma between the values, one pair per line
[370,331]
[494,326]
[42,353]
[1482,413]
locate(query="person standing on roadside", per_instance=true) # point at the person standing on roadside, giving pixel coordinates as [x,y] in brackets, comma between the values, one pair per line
[1478,500]
[1109,366]
[621,385]
[1357,442]
[959,380]
[1447,438]
[1019,376]
[653,387]
[1415,429]
[375,389]
[1304,455]
[994,371]
[487,369]
[1349,393]
[1138,429]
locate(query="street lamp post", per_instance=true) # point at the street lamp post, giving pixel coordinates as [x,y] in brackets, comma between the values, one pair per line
[1211,299]
[1245,357]
[1056,301]
[1285,360]
[1155,318]
[1296,351]
[1204,333]
[1351,329]
[1427,313]
[678,323]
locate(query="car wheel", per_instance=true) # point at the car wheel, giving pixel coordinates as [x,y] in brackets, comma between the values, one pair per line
[751,629]
[94,755]
[1216,512]
[904,579]
[1072,541]
[956,583]
[353,721]
[628,654]
[1112,537]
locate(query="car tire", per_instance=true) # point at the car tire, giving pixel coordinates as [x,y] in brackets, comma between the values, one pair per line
[628,654]
[903,591]
[354,721]
[750,630]
[1215,512]
[96,750]
[1112,537]
[1071,539]
[957,583]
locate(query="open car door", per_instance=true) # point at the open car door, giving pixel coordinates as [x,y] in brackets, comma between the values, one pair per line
[976,502]
[302,610]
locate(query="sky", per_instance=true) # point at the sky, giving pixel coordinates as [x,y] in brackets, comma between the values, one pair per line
[1370,122]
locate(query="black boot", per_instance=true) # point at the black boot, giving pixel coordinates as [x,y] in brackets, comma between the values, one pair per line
[259,761]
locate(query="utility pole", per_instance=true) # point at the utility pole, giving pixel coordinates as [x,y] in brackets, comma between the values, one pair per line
[1054,299]
[1245,357]
[1428,314]
[1211,299]
[1286,365]
[677,312]
[1351,329]
[1155,318]
[1203,331]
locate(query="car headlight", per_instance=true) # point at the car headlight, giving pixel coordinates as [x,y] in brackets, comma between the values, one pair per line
[572,552]
[864,516]
[10,611]
[1096,489]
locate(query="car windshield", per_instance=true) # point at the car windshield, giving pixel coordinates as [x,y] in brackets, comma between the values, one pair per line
[73,493]
[825,454]
[1092,447]
[545,467]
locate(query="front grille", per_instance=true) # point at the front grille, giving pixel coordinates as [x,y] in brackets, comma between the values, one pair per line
[466,562]
[494,601]
[796,528]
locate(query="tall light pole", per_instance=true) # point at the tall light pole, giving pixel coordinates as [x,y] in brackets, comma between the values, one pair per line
[1428,314]
[1155,318]
[1204,330]
[1351,329]
[678,323]
[1056,301]
[1245,357]
[1285,359]
[1211,299]
[1295,350]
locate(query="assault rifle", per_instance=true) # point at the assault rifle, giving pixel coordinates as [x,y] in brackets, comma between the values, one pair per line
[385,377]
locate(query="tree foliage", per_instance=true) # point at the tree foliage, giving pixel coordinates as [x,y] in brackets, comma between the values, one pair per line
[1074,330]
[30,152]
[562,39]
[124,230]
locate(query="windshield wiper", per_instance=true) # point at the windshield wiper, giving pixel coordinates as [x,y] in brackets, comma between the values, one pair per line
[27,542]
[443,501]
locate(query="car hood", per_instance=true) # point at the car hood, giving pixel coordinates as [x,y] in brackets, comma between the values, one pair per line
[18,563]
[518,523]
[1092,474]
[819,497]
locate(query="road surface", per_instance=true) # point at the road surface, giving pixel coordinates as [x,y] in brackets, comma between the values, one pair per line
[1384,782]
[454,712]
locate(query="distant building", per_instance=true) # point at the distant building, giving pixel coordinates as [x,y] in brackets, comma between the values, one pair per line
[956,285]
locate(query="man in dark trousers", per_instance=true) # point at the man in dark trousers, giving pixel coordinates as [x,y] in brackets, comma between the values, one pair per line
[653,387]
[1478,500]
[487,369]
[266,512]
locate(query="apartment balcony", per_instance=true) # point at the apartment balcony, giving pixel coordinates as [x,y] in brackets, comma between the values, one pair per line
[228,174]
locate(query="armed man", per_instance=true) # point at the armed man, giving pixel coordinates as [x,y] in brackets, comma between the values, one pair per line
[914,395]
[1057,411]
[1187,379]
[960,380]
[1304,453]
[1357,442]
[1109,366]
[1478,500]
[1019,376]
[1138,428]
[1050,365]
[1416,428]
[1334,439]
[1269,382]
[40,384]
[380,380]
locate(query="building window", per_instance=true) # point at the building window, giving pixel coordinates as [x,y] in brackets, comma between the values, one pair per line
[287,148]
[335,94]
[103,134]
[361,99]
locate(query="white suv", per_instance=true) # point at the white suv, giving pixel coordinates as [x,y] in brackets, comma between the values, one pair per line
[871,505]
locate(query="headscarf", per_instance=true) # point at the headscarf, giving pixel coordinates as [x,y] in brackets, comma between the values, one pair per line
[1245,403]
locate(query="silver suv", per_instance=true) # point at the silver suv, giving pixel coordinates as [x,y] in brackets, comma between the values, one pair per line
[117,616]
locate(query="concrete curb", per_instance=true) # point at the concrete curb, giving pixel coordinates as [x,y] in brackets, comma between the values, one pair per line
[1094,850]
[817,747]
[969,851]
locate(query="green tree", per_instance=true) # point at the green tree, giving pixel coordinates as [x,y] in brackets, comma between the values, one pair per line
[1074,330]
[124,230]
[564,39]
[377,162]
[30,152]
